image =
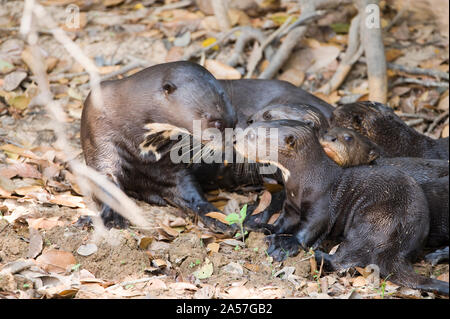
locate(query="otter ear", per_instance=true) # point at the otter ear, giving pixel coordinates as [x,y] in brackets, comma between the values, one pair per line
[169,88]
[290,140]
[373,155]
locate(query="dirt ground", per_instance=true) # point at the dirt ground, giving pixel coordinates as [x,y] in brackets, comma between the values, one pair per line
[47,252]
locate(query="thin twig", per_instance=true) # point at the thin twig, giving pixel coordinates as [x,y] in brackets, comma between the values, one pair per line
[436,121]
[414,70]
[172,6]
[425,83]
[132,282]
[252,66]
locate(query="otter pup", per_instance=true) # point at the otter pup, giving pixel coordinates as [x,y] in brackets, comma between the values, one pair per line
[301,112]
[128,139]
[381,125]
[348,148]
[379,213]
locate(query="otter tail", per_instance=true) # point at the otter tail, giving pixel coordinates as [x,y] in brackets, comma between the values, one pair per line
[403,274]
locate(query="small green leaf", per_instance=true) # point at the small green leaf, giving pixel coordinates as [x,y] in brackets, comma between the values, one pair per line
[205,272]
[75,267]
[243,213]
[233,218]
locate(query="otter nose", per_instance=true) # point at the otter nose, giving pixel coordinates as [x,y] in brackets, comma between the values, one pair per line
[330,138]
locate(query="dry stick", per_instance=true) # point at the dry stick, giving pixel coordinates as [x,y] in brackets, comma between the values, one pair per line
[137,281]
[302,20]
[372,40]
[104,188]
[248,34]
[259,53]
[221,13]
[415,70]
[417,116]
[289,43]
[172,6]
[436,121]
[130,66]
[352,54]
[426,83]
[212,45]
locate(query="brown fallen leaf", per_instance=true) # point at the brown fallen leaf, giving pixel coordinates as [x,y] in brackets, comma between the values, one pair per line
[273,218]
[168,231]
[10,148]
[213,247]
[251,267]
[359,281]
[44,223]
[36,244]
[20,169]
[219,216]
[221,70]
[264,202]
[68,200]
[57,261]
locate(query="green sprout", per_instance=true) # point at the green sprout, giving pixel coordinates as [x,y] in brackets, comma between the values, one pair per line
[235,218]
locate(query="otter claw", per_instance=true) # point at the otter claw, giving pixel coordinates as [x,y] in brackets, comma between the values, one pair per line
[282,246]
[111,219]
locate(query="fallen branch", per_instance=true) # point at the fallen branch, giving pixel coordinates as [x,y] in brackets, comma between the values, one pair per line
[221,39]
[221,13]
[247,34]
[436,121]
[372,41]
[414,70]
[172,6]
[259,53]
[425,83]
[292,39]
[352,54]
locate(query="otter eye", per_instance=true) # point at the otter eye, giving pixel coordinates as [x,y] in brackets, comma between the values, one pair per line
[249,121]
[348,138]
[290,140]
[169,88]
[267,116]
[310,123]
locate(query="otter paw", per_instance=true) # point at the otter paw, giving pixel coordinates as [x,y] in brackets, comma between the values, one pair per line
[111,219]
[219,227]
[282,246]
[438,256]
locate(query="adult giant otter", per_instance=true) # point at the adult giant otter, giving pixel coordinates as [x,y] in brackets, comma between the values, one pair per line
[128,138]
[379,213]
[348,148]
[382,126]
[250,96]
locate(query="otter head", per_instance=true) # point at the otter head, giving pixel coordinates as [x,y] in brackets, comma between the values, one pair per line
[348,148]
[371,119]
[184,92]
[297,112]
[280,143]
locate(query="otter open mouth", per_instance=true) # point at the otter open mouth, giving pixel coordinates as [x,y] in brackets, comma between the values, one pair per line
[331,153]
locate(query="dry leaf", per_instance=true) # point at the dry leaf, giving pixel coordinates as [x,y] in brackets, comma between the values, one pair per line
[20,169]
[36,244]
[68,200]
[264,202]
[221,70]
[57,261]
[213,247]
[219,216]
[44,223]
[294,76]
[87,250]
[10,148]
[359,281]
[168,231]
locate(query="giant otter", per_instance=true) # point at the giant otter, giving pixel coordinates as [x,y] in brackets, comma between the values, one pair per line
[301,112]
[349,148]
[249,96]
[382,126]
[380,214]
[128,138]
